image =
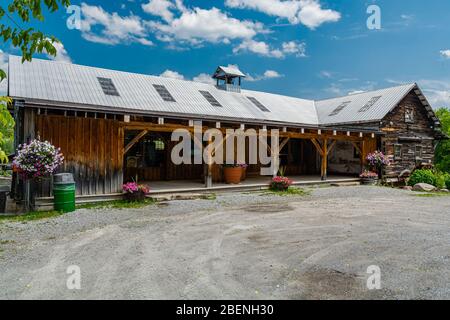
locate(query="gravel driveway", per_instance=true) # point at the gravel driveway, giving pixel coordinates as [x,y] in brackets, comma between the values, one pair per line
[239,246]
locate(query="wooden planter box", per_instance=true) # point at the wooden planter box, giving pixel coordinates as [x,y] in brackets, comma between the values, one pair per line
[369,181]
[135,197]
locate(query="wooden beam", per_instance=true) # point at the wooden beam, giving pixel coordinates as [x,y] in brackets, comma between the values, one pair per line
[134,141]
[153,127]
[284,142]
[331,146]
[317,145]
[356,146]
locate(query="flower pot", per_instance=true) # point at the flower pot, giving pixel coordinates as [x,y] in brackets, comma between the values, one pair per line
[369,181]
[135,196]
[232,175]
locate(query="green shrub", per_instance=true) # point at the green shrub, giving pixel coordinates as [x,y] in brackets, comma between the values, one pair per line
[423,176]
[447,181]
[440,180]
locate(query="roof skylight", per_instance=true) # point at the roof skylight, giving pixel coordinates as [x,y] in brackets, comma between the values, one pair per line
[164,93]
[369,104]
[108,87]
[339,108]
[258,104]
[208,96]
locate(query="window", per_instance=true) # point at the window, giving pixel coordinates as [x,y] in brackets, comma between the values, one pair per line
[418,151]
[108,87]
[397,151]
[409,115]
[159,145]
[339,108]
[208,96]
[369,104]
[164,93]
[258,104]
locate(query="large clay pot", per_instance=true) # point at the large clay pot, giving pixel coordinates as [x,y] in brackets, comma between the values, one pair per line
[232,175]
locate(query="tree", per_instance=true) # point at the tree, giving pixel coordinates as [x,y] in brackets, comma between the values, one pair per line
[29,41]
[442,154]
[6,130]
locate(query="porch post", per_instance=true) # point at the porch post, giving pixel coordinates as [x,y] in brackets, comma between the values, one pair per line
[208,173]
[324,159]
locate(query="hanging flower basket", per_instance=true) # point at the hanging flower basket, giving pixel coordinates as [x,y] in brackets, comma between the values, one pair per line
[37,160]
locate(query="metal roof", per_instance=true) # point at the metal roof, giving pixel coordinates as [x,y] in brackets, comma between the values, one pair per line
[70,85]
[384,101]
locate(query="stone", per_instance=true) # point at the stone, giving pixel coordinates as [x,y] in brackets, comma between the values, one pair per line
[424,187]
[409,188]
[445,190]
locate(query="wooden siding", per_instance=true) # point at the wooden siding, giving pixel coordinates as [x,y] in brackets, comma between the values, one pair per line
[92,149]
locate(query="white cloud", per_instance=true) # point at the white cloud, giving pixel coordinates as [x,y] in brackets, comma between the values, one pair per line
[445,53]
[160,8]
[4,67]
[325,74]
[268,74]
[172,74]
[436,91]
[211,25]
[61,55]
[114,28]
[294,47]
[258,47]
[204,78]
[308,12]
[312,15]
[264,49]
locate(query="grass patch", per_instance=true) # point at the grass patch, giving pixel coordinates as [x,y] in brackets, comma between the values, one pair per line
[431,194]
[32,216]
[292,191]
[117,204]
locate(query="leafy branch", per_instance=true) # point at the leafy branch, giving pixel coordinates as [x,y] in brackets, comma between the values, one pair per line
[29,40]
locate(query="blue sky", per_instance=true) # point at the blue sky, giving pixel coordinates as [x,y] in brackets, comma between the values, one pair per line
[305,48]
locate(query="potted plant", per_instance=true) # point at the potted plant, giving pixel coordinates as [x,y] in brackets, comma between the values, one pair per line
[376,161]
[243,171]
[232,173]
[135,192]
[369,178]
[35,161]
[280,183]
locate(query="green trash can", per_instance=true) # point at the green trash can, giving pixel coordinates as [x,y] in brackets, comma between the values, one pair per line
[64,192]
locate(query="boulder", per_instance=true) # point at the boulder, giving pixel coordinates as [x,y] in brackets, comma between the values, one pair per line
[424,187]
[409,188]
[444,190]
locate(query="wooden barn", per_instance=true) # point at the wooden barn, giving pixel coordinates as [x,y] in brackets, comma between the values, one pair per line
[114,127]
